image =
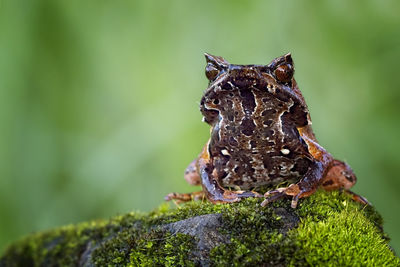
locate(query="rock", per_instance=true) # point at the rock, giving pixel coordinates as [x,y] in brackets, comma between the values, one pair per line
[326,228]
[204,229]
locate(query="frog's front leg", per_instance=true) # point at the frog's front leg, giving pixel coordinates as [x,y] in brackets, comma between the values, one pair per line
[213,190]
[305,187]
[311,180]
[200,171]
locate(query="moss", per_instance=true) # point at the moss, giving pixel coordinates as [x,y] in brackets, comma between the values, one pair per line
[333,231]
[326,228]
[168,250]
[339,240]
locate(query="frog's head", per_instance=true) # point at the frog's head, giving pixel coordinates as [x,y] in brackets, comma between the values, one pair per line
[274,79]
[227,76]
[340,175]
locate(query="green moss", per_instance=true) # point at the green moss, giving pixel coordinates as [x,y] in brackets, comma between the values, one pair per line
[61,246]
[343,238]
[167,250]
[333,231]
[326,228]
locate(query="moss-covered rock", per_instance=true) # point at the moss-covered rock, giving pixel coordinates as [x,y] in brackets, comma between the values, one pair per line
[326,229]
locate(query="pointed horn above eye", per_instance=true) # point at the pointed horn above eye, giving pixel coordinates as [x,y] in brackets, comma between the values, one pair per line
[216,60]
[279,60]
[288,58]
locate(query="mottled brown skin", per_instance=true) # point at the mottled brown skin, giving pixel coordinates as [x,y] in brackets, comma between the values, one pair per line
[261,135]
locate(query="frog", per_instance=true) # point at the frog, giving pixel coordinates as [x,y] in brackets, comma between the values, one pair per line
[261,136]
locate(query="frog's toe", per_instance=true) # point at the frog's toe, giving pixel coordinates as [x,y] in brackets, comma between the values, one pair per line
[292,190]
[226,198]
[184,197]
[248,194]
[295,200]
[272,198]
[275,192]
[360,199]
[171,196]
[177,197]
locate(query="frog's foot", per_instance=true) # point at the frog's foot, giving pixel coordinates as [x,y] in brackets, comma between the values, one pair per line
[244,194]
[292,190]
[185,197]
[358,198]
[341,177]
[228,196]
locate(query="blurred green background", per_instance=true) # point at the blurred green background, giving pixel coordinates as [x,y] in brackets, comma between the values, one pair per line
[99,100]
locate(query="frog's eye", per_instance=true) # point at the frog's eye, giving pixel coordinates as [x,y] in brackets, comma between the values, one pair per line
[284,73]
[211,71]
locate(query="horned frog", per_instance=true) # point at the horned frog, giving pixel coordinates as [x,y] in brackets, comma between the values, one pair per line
[261,135]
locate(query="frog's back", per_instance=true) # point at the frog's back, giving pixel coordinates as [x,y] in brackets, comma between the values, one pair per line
[254,142]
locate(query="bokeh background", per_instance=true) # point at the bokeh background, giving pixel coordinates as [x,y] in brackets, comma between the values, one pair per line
[99,99]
